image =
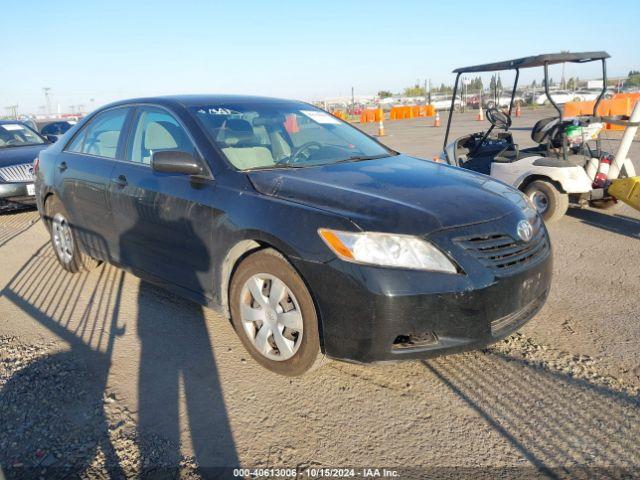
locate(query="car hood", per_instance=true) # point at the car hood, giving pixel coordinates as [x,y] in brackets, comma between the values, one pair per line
[17,155]
[398,194]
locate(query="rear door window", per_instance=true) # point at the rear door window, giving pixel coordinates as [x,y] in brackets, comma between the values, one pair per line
[101,135]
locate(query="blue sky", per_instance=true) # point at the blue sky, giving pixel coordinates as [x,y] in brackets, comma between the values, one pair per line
[111,49]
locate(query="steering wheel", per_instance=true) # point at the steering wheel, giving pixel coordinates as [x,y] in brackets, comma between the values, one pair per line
[498,118]
[293,158]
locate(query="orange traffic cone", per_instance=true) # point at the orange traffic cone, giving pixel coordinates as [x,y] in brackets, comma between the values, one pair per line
[381,128]
[518,110]
[480,117]
[436,122]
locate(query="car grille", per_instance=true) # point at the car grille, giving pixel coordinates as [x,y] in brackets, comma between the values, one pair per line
[512,321]
[17,173]
[503,254]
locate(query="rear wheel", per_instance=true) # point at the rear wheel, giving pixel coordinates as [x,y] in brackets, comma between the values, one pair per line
[64,239]
[274,315]
[548,200]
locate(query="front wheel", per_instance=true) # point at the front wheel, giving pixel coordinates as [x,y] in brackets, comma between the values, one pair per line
[548,200]
[274,315]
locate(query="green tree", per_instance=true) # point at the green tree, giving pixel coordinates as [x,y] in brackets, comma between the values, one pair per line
[385,94]
[634,78]
[415,91]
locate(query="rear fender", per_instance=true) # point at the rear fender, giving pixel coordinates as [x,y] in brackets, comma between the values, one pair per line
[572,179]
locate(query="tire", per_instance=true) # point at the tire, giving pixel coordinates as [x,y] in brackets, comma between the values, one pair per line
[550,202]
[64,240]
[296,348]
[604,204]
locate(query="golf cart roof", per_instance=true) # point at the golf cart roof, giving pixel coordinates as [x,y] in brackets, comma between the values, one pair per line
[536,61]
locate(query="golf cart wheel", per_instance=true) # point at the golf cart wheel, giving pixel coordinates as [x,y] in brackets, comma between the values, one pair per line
[274,315]
[548,200]
[604,204]
[64,239]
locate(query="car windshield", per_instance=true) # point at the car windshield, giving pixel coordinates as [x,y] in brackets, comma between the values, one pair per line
[18,135]
[265,135]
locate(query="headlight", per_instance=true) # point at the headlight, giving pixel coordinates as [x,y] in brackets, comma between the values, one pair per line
[386,250]
[528,208]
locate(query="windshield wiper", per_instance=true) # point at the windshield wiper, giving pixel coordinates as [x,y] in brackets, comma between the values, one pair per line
[360,158]
[277,165]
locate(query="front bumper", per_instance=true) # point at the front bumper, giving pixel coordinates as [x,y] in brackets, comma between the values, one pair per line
[367,311]
[16,195]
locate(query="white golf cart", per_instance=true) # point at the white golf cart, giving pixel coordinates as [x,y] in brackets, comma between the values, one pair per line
[562,166]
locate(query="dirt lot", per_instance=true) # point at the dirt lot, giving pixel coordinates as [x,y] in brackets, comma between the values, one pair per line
[104,375]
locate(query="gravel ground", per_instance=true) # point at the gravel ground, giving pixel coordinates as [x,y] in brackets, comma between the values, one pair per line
[102,375]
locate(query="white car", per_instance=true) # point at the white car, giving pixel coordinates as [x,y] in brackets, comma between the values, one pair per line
[444,103]
[558,96]
[504,100]
[588,95]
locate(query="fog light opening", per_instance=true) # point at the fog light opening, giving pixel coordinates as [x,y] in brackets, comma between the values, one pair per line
[415,340]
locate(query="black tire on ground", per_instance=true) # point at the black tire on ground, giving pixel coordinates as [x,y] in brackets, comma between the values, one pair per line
[604,204]
[550,202]
[268,261]
[78,261]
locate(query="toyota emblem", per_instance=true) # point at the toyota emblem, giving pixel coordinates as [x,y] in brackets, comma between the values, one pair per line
[525,232]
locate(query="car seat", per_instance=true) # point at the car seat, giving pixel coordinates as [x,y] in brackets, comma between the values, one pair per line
[241,146]
[104,143]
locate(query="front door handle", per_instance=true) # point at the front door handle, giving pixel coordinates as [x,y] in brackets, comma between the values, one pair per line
[62,166]
[120,181]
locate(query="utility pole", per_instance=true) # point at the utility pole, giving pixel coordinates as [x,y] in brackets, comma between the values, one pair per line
[353,99]
[12,111]
[47,97]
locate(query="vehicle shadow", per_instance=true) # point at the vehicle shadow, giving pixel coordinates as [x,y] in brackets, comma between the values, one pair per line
[619,224]
[83,428]
[565,427]
[14,223]
[55,404]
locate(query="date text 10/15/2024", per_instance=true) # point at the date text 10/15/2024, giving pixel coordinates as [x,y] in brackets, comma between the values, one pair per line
[315,472]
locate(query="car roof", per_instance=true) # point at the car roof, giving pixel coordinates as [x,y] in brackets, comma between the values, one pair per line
[536,61]
[197,100]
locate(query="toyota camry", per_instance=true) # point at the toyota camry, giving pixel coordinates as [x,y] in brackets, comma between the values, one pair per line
[314,239]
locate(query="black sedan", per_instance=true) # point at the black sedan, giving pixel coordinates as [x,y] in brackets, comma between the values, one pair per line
[19,146]
[314,238]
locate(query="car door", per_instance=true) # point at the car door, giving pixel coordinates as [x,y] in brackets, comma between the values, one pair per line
[162,220]
[83,173]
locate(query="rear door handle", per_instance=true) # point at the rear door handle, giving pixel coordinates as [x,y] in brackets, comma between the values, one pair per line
[62,166]
[120,180]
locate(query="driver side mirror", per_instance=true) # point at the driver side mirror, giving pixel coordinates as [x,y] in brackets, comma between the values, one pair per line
[175,161]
